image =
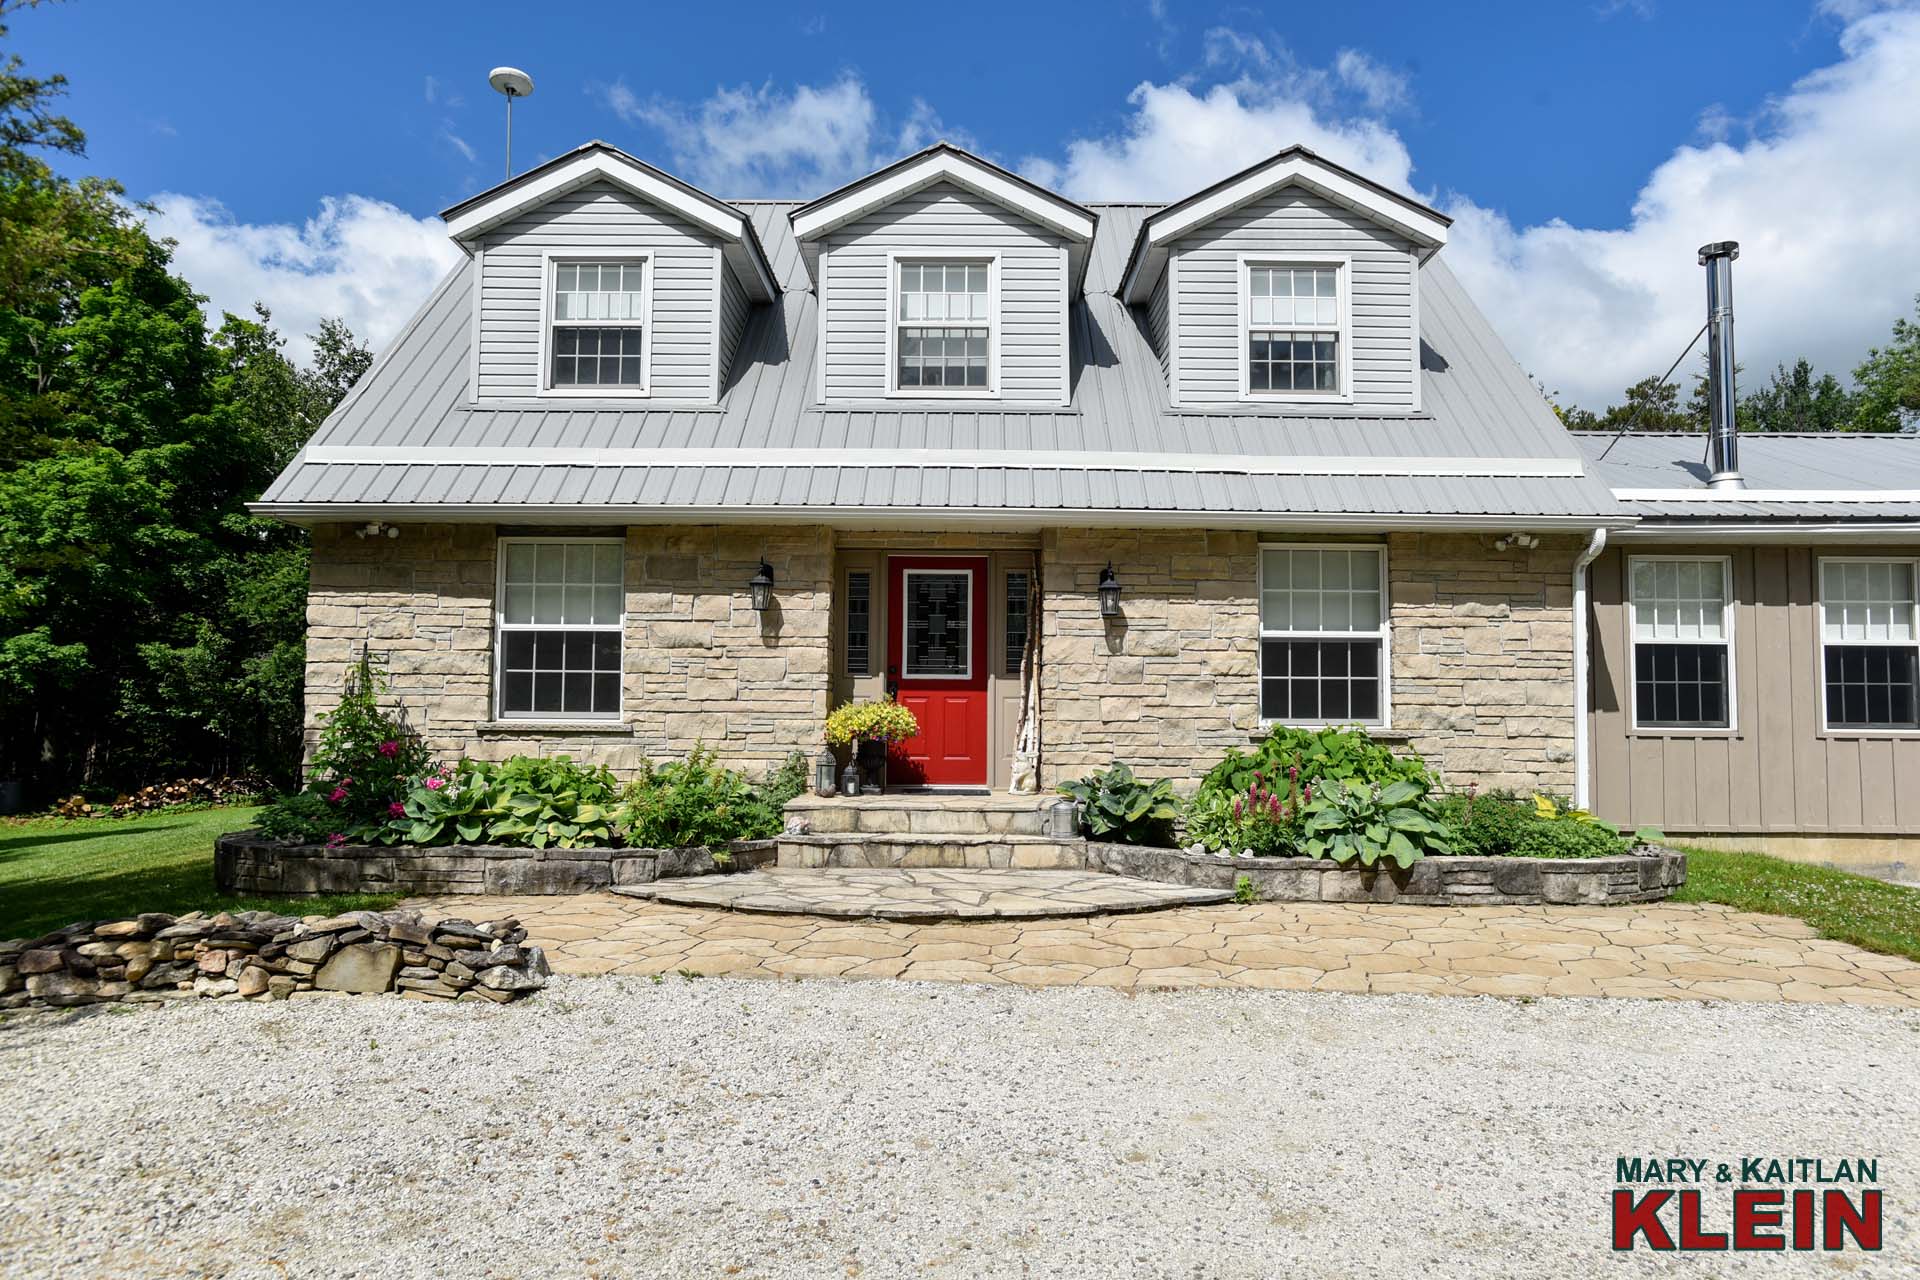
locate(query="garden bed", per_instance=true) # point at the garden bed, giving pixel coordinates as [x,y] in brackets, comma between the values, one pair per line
[247,862]
[1647,874]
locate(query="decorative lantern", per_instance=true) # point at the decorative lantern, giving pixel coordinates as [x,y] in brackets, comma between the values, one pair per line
[760,587]
[824,767]
[1109,593]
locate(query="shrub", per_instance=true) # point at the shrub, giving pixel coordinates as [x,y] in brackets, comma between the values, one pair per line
[1357,822]
[303,816]
[1117,806]
[693,802]
[761,815]
[878,720]
[366,758]
[1313,756]
[1501,825]
[1566,838]
[1486,826]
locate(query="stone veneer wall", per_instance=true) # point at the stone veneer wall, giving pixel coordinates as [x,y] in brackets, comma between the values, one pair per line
[1482,654]
[701,665]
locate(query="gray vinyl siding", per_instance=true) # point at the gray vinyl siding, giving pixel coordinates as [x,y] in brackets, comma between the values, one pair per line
[597,218]
[1291,220]
[1159,314]
[1778,771]
[735,307]
[1033,320]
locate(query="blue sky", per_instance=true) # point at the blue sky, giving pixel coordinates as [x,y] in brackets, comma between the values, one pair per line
[300,154]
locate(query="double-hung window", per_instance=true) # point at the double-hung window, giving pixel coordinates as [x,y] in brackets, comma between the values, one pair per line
[1869,644]
[1323,635]
[557,651]
[597,327]
[1296,329]
[1682,642]
[943,328]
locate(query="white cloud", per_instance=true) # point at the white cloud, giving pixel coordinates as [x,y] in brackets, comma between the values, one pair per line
[360,259]
[1819,190]
[1381,88]
[748,140]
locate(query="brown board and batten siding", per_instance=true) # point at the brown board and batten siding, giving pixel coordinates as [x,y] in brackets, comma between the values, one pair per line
[1207,287]
[1032,318]
[1777,770]
[598,218]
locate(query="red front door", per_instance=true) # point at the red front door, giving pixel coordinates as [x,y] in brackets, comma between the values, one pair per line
[937,667]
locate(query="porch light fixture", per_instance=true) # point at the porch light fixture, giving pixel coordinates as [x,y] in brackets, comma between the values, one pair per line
[760,587]
[1109,593]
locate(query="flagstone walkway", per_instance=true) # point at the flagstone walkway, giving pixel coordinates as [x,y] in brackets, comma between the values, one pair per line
[1659,951]
[924,893]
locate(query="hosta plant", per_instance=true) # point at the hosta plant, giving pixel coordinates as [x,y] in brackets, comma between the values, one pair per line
[530,801]
[1355,822]
[1116,806]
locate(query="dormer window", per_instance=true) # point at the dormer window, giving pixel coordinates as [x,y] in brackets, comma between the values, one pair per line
[1296,329]
[597,326]
[943,329]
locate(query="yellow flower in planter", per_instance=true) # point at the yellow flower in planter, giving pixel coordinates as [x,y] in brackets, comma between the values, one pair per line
[881,720]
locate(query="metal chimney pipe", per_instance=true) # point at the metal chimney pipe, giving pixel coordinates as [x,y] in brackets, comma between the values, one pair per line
[1723,438]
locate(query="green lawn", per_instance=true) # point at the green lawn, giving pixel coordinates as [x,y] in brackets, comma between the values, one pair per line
[1858,909]
[54,871]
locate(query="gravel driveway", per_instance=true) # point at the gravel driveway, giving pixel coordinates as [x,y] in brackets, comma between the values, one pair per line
[623,1127]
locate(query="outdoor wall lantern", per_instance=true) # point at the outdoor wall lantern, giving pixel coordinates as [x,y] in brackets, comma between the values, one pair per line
[761,588]
[1109,593]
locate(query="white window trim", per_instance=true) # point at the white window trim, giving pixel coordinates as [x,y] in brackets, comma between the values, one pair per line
[1820,636]
[1728,614]
[906,594]
[1343,299]
[895,257]
[1384,634]
[501,627]
[543,376]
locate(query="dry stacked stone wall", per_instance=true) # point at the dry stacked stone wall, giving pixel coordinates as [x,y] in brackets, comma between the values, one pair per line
[257,955]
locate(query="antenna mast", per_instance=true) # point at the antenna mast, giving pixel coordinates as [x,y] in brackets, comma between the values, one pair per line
[510,82]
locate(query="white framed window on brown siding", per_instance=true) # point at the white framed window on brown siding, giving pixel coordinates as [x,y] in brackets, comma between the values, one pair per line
[1324,634]
[1296,328]
[596,330]
[1680,619]
[558,622]
[1869,644]
[943,326]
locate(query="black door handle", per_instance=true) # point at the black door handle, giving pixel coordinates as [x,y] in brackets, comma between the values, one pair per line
[893,680]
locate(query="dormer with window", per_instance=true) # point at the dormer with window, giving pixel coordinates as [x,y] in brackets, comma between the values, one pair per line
[943,278]
[1294,284]
[598,277]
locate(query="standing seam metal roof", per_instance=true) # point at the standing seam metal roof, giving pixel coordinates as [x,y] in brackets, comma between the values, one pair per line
[1476,404]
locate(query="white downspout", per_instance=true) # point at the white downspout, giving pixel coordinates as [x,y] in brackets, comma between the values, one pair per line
[1582,765]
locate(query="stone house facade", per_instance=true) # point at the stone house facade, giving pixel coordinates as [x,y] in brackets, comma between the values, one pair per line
[653,470]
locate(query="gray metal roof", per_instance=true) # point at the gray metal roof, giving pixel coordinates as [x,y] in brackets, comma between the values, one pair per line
[1479,415]
[1790,476]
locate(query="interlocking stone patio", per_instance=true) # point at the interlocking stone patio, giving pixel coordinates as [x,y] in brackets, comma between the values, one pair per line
[933,893]
[1659,951]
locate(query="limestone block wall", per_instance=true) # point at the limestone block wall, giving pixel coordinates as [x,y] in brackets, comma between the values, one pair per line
[1173,683]
[1481,654]
[701,666]
[1483,657]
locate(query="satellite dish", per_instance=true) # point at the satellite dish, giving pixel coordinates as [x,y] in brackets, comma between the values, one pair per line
[511,81]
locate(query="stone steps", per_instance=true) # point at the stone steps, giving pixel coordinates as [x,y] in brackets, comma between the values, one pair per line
[996,851]
[933,815]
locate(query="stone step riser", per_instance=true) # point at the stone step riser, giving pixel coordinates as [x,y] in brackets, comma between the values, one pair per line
[907,853]
[931,822]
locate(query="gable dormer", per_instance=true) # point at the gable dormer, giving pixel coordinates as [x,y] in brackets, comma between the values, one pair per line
[944,277]
[1293,283]
[599,277]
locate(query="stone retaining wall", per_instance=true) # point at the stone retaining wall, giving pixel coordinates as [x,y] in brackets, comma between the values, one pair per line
[1643,876]
[257,955]
[244,862]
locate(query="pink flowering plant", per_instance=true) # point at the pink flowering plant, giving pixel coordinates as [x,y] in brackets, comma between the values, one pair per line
[362,765]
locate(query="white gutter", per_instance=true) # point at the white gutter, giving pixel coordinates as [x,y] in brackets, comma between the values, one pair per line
[1582,788]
